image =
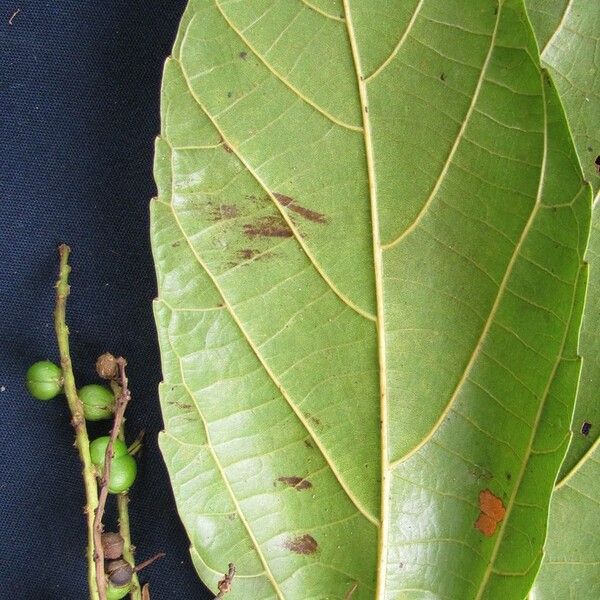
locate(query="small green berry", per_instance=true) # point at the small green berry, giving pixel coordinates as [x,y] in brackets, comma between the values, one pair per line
[123,468]
[122,474]
[98,450]
[98,402]
[116,592]
[44,380]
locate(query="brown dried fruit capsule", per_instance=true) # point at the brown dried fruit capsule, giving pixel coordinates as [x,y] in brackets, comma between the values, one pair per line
[119,572]
[113,544]
[107,366]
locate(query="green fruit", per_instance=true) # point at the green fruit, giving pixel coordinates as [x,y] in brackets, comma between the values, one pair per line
[98,402]
[116,592]
[122,474]
[98,450]
[44,380]
[123,468]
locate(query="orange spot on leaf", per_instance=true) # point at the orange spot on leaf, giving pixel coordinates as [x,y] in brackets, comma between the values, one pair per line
[492,512]
[486,525]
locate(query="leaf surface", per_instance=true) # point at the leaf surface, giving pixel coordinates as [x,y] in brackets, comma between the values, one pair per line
[568,34]
[369,242]
[569,40]
[571,566]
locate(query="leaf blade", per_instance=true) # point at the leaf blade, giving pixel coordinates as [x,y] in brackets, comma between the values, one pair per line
[567,35]
[257,202]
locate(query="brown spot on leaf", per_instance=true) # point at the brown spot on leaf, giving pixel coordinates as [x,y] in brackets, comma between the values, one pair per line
[222,212]
[492,512]
[302,544]
[180,405]
[298,483]
[273,226]
[243,55]
[481,473]
[291,204]
[597,163]
[225,145]
[175,244]
[308,444]
[248,253]
[585,428]
[314,420]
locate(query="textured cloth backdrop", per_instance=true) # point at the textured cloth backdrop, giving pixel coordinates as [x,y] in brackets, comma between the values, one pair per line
[79,101]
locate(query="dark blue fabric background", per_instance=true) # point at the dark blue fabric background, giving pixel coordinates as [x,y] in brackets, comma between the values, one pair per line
[79,101]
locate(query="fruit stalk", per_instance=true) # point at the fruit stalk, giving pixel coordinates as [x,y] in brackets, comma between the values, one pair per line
[125,531]
[120,407]
[76,407]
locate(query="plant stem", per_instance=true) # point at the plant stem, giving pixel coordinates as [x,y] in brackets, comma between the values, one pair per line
[224,585]
[125,531]
[123,504]
[75,406]
[136,445]
[120,406]
[149,561]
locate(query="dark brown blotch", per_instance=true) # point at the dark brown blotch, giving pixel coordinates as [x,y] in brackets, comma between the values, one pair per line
[248,253]
[298,483]
[226,146]
[302,544]
[291,204]
[314,420]
[273,226]
[223,212]
[180,405]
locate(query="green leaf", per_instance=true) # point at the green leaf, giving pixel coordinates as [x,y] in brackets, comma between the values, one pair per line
[562,28]
[369,242]
[567,33]
[572,552]
[569,42]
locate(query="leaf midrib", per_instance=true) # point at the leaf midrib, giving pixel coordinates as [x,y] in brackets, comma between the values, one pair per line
[380,313]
